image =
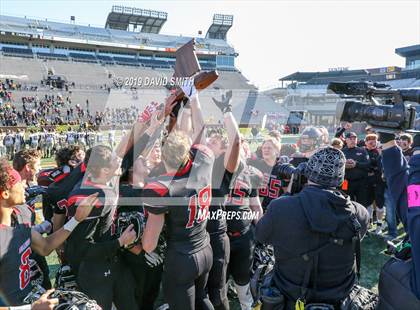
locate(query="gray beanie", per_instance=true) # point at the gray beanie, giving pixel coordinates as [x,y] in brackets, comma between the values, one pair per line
[326,167]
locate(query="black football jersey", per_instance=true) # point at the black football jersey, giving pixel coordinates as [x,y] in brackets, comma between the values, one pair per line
[99,225]
[103,213]
[15,276]
[271,187]
[221,179]
[184,198]
[245,184]
[45,178]
[59,190]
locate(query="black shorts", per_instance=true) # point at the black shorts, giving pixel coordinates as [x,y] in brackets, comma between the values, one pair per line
[358,191]
[185,279]
[217,284]
[147,280]
[376,192]
[107,283]
[241,256]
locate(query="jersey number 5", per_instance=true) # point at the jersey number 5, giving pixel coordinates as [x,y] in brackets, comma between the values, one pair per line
[204,199]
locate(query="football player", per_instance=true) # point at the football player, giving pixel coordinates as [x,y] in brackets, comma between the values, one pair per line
[18,242]
[92,250]
[244,209]
[181,199]
[226,162]
[269,165]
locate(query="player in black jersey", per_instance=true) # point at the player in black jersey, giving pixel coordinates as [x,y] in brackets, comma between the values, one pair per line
[243,208]
[18,242]
[92,250]
[226,163]
[181,199]
[272,186]
[66,160]
[146,267]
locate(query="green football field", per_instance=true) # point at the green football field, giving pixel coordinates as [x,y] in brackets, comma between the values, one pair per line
[372,262]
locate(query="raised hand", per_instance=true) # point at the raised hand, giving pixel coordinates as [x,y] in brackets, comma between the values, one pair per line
[85,207]
[225,104]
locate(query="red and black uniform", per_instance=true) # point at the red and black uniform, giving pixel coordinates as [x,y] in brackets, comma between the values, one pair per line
[46,178]
[64,182]
[272,185]
[219,240]
[92,249]
[375,183]
[24,214]
[15,249]
[246,182]
[185,198]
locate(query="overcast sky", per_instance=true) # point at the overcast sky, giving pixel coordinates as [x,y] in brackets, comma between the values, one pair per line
[273,38]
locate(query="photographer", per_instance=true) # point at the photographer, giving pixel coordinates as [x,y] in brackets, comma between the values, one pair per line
[400,279]
[315,235]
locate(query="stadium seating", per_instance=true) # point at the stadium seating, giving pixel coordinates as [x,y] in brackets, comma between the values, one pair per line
[23,52]
[52,56]
[105,59]
[82,74]
[83,57]
[32,71]
[126,61]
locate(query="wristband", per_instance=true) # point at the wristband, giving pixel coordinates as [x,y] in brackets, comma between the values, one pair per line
[24,307]
[71,225]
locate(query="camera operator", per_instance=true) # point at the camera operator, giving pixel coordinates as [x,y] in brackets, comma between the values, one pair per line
[399,283]
[357,167]
[315,235]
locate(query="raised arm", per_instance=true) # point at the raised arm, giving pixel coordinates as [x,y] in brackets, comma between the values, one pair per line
[44,246]
[197,118]
[232,157]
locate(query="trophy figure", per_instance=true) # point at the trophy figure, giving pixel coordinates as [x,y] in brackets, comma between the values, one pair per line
[187,66]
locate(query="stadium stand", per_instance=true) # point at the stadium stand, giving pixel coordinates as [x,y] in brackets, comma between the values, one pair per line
[104,65]
[43,55]
[30,68]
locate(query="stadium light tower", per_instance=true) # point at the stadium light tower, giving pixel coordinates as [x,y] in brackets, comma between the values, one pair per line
[220,26]
[121,17]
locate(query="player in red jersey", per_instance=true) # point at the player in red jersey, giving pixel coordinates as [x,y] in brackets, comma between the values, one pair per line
[18,242]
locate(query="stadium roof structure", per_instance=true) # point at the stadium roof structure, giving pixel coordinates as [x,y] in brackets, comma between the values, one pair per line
[299,76]
[339,75]
[408,51]
[220,26]
[74,33]
[121,17]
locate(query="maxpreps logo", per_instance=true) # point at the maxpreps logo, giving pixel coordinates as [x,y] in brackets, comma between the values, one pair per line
[231,215]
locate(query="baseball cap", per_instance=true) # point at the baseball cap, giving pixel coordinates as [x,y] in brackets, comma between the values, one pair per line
[351,134]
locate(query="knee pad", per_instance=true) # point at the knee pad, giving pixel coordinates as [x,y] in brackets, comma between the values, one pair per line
[394,286]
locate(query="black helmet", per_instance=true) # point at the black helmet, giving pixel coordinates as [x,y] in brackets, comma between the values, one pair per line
[314,135]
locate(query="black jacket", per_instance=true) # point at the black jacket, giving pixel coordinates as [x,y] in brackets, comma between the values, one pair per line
[297,224]
[361,157]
